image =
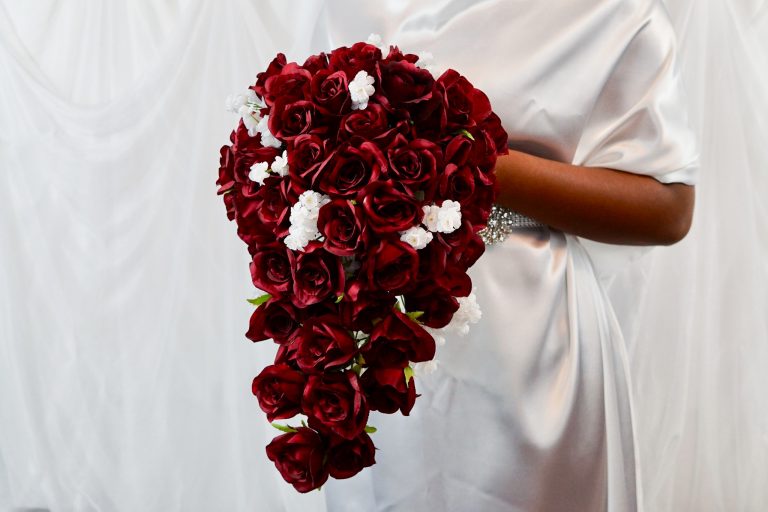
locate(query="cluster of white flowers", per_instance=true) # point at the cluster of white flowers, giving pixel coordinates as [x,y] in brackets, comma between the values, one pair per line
[375,40]
[423,368]
[417,237]
[468,313]
[303,220]
[427,61]
[443,219]
[247,106]
[360,89]
[261,170]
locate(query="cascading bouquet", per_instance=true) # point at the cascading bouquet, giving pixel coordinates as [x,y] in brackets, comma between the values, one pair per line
[359,183]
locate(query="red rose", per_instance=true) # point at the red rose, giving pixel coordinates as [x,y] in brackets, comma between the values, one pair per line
[315,63]
[464,245]
[351,167]
[387,210]
[360,57]
[387,390]
[291,119]
[467,106]
[360,310]
[247,151]
[395,54]
[226,170]
[266,206]
[279,389]
[322,344]
[291,84]
[492,126]
[396,340]
[317,275]
[392,266]
[368,123]
[299,457]
[348,458]
[273,69]
[436,302]
[271,269]
[414,162]
[330,91]
[276,320]
[457,183]
[305,154]
[429,117]
[403,82]
[340,223]
[334,403]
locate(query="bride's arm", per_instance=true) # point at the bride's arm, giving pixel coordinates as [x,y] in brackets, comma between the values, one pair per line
[596,203]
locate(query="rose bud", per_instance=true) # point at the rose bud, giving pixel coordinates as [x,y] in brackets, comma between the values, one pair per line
[334,403]
[298,457]
[436,302]
[348,458]
[322,344]
[387,390]
[397,340]
[387,210]
[317,275]
[279,389]
[276,320]
[271,269]
[392,266]
[340,223]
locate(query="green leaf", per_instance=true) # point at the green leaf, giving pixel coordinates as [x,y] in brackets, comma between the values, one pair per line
[283,428]
[369,429]
[339,298]
[352,202]
[357,368]
[414,315]
[261,299]
[408,374]
[466,134]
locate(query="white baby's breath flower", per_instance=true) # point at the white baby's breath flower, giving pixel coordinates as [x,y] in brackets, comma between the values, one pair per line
[437,334]
[250,120]
[267,139]
[280,165]
[233,102]
[303,219]
[259,172]
[312,200]
[252,97]
[360,89]
[430,219]
[425,367]
[417,237]
[295,242]
[449,217]
[427,61]
[468,313]
[375,40]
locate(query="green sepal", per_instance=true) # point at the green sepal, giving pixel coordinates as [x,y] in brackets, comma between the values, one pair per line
[261,299]
[370,430]
[408,371]
[340,298]
[466,134]
[353,202]
[357,368]
[414,315]
[284,428]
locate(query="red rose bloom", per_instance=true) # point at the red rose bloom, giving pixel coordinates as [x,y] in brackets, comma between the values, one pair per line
[415,162]
[360,57]
[391,266]
[276,320]
[330,91]
[348,458]
[368,123]
[271,269]
[466,105]
[387,390]
[350,168]
[334,403]
[403,82]
[387,210]
[397,340]
[273,69]
[340,223]
[436,302]
[279,389]
[291,84]
[317,275]
[305,154]
[361,310]
[323,344]
[289,120]
[299,457]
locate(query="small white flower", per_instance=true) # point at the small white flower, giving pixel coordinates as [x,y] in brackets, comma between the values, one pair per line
[303,220]
[252,97]
[425,368]
[250,120]
[417,237]
[280,165]
[430,219]
[360,89]
[234,102]
[426,61]
[295,242]
[468,313]
[375,40]
[267,139]
[449,217]
[259,172]
[437,335]
[313,201]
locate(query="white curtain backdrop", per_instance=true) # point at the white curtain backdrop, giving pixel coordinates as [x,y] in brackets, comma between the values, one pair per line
[124,372]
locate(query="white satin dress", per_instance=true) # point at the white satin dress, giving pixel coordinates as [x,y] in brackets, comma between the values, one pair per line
[531,412]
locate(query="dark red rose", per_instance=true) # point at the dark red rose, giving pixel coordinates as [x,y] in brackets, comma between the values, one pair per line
[351,167]
[414,162]
[317,275]
[279,389]
[290,85]
[436,302]
[361,310]
[387,210]
[360,57]
[299,457]
[315,63]
[429,117]
[340,223]
[368,123]
[467,106]
[271,269]
[395,54]
[348,458]
[492,126]
[457,183]
[267,206]
[226,170]
[387,390]
[478,209]
[464,245]
[392,266]
[330,91]
[247,151]
[403,82]
[396,340]
[286,353]
[273,69]
[277,320]
[305,154]
[323,344]
[289,120]
[334,403]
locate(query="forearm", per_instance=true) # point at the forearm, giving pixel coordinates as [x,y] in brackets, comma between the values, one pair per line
[596,203]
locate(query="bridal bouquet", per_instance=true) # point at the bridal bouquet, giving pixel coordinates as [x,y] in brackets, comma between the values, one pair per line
[359,182]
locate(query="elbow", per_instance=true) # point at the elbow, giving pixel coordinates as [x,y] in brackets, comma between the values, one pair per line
[677,223]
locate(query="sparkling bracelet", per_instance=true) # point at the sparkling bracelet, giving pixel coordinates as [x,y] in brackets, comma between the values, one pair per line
[502,222]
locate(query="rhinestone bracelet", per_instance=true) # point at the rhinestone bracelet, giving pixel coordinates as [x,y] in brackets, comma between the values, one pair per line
[502,222]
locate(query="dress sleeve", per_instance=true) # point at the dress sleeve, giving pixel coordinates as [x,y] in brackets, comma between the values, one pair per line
[639,121]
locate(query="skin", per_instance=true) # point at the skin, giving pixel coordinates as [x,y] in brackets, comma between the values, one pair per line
[601,204]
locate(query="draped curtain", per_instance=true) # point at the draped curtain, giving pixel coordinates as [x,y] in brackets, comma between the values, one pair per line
[124,372]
